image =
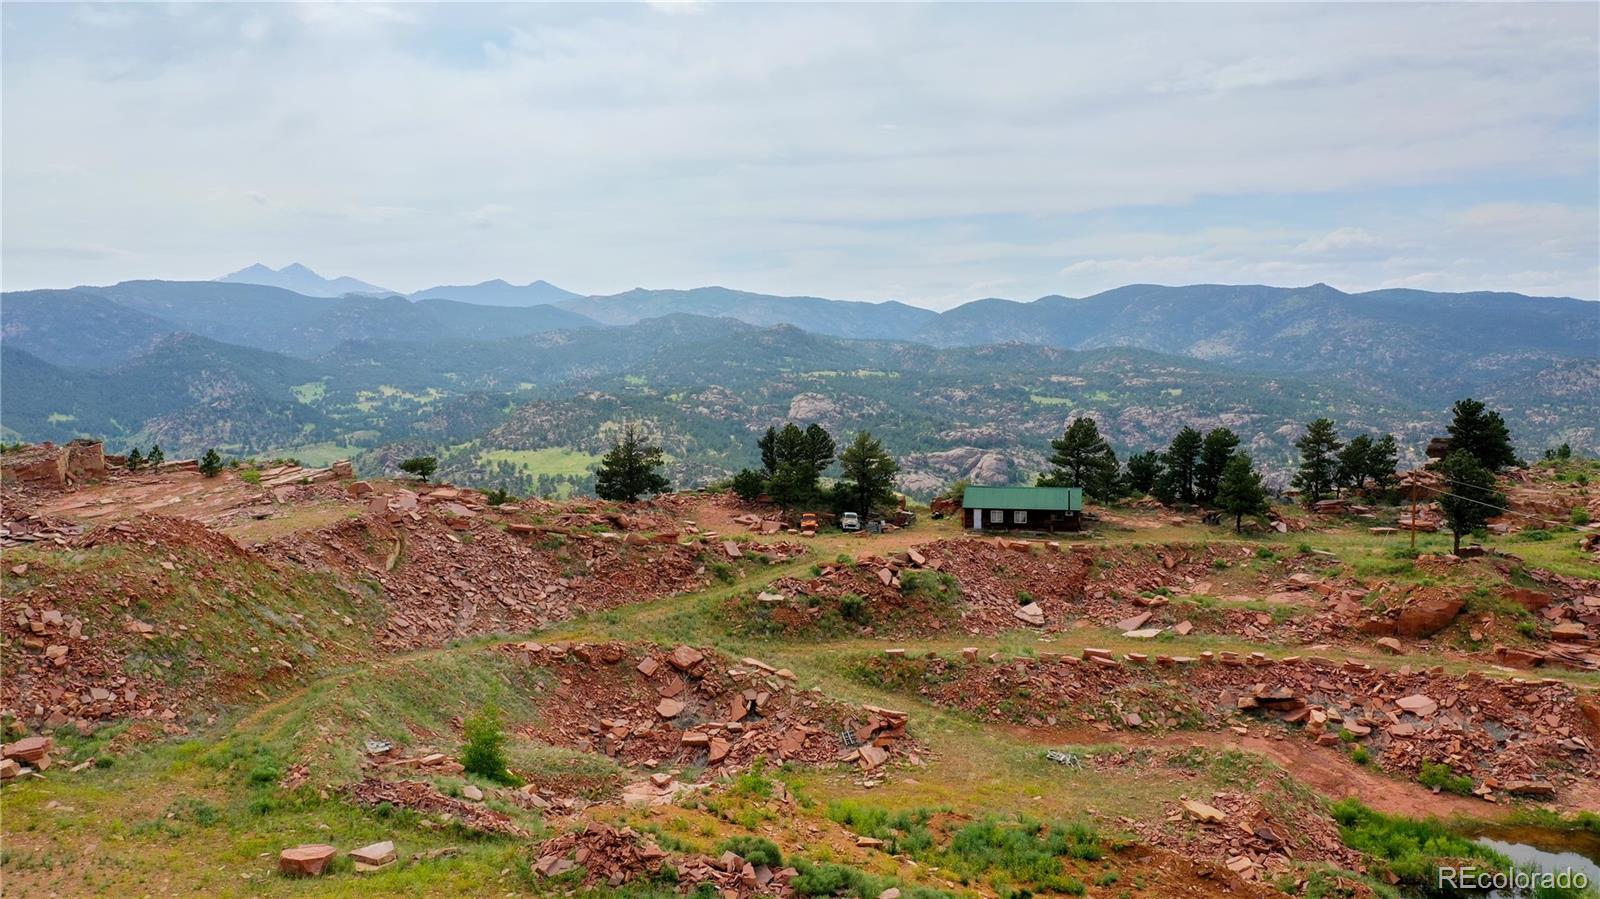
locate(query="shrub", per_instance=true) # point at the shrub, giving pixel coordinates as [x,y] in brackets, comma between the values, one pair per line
[485,752]
[1580,516]
[755,850]
[853,608]
[250,476]
[1361,756]
[1445,778]
[499,496]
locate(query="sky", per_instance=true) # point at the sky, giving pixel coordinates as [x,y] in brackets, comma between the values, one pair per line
[927,153]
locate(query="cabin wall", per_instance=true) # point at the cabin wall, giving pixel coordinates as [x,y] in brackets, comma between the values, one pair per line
[1037,520]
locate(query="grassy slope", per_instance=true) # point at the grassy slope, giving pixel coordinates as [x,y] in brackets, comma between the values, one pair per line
[124,828]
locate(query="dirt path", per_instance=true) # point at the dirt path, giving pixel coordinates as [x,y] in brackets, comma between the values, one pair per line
[1328,772]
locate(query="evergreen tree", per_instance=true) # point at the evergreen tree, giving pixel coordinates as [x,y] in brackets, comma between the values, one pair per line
[798,458]
[1470,499]
[1144,469]
[819,449]
[1083,459]
[1239,491]
[156,457]
[1382,462]
[1354,460]
[749,484]
[630,469]
[421,466]
[1319,460]
[768,444]
[1178,466]
[1215,451]
[210,464]
[1481,433]
[867,474]
[135,459]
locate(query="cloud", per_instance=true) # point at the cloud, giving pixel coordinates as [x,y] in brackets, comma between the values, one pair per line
[1342,240]
[916,152]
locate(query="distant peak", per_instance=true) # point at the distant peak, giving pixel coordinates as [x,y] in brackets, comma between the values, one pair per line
[295,268]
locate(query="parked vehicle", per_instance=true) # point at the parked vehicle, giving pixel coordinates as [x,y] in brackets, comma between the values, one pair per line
[808,521]
[850,521]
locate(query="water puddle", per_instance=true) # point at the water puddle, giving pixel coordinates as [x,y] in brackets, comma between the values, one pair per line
[1553,851]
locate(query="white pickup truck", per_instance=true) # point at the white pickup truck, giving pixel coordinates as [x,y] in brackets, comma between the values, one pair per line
[849,521]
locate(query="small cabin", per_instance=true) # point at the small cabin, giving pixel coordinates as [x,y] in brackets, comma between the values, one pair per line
[1022,508]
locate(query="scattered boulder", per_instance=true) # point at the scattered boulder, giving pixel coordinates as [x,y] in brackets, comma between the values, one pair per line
[375,856]
[305,861]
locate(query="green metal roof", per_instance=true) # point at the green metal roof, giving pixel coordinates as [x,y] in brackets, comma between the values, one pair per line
[1058,499]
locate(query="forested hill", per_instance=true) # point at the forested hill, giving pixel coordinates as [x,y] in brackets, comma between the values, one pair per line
[516,392]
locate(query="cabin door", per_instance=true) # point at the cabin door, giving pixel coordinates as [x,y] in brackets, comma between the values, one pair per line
[977,519]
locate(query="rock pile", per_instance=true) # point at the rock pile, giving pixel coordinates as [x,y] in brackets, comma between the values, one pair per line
[1497,731]
[422,797]
[687,706]
[611,857]
[1238,830]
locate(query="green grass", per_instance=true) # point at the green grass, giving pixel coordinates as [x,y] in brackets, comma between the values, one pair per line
[550,461]
[1410,848]
[315,455]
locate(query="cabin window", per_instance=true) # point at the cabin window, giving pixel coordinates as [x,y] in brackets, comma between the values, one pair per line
[997,516]
[1019,517]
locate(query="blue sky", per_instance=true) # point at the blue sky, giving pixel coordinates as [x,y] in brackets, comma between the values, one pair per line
[930,153]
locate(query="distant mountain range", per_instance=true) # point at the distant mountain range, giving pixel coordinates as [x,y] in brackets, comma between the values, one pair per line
[302,280]
[492,375]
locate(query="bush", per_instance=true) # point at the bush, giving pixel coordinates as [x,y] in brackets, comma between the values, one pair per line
[1445,778]
[749,484]
[499,496]
[853,608]
[1579,516]
[485,752]
[250,476]
[755,850]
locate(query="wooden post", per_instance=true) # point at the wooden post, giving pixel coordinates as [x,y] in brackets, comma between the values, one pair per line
[1414,489]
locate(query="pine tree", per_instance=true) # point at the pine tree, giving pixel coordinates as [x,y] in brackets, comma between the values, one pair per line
[1481,433]
[819,449]
[135,459]
[1319,460]
[421,466]
[1239,492]
[1470,499]
[768,444]
[156,457]
[210,464]
[1144,469]
[1178,465]
[1083,459]
[629,469]
[867,474]
[1354,461]
[1215,451]
[798,458]
[1382,462]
